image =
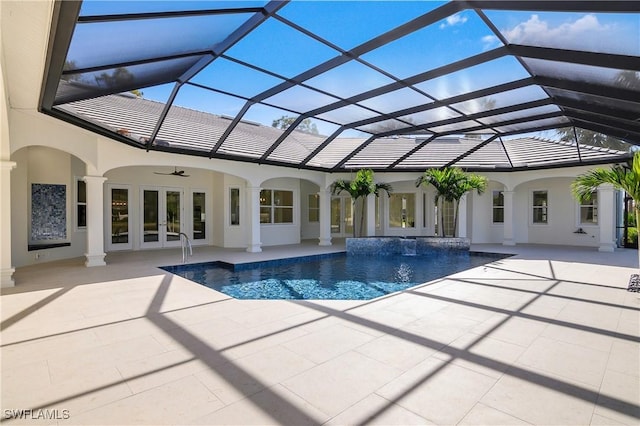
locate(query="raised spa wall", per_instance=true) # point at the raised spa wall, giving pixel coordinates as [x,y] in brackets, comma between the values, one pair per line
[384,246]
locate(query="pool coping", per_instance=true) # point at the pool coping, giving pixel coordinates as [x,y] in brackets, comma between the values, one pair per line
[288,260]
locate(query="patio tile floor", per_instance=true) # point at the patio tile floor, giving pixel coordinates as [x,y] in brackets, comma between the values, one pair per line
[549,336]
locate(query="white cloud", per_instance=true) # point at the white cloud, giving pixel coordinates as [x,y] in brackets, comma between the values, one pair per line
[489,42]
[457,19]
[584,33]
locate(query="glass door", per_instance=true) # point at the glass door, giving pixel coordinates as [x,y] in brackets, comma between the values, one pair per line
[118,234]
[336,216]
[347,208]
[172,217]
[161,217]
[341,217]
[150,215]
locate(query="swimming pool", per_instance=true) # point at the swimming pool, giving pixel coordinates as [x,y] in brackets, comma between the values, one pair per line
[335,276]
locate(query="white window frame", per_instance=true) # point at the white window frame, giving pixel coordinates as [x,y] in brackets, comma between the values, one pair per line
[309,208]
[273,206]
[228,212]
[532,208]
[580,206]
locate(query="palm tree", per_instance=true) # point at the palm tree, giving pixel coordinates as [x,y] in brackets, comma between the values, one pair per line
[467,183]
[624,177]
[360,188]
[451,183]
[441,180]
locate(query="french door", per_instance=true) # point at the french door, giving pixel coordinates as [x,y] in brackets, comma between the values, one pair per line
[118,208]
[341,217]
[162,217]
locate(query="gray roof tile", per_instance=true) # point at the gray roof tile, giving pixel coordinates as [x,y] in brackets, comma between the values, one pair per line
[200,131]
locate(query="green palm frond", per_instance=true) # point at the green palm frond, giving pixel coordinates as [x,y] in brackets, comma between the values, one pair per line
[382,187]
[360,188]
[626,178]
[451,183]
[622,177]
[341,185]
[363,185]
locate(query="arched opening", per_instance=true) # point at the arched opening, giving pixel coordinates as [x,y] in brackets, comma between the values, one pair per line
[48,206]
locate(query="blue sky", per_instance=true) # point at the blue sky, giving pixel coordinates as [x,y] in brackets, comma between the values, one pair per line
[287,52]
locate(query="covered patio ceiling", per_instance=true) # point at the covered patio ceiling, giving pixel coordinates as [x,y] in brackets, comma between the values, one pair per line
[335,85]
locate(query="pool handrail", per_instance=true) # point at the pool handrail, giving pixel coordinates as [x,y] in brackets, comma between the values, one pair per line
[184,244]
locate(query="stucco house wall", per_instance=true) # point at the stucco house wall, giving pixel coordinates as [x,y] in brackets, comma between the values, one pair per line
[479,211]
[563,210]
[49,151]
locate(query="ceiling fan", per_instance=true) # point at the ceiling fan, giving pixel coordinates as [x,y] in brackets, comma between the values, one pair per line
[175,172]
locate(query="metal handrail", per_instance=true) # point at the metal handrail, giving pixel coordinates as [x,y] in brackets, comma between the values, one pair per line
[185,246]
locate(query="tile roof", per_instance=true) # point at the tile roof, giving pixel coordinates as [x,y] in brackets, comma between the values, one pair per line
[199,131]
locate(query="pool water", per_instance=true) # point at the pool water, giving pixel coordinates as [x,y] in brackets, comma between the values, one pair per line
[336,276]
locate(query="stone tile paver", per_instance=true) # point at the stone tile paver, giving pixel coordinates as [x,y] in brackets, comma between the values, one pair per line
[550,336]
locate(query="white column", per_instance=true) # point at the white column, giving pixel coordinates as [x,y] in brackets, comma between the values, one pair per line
[325,218]
[253,213]
[462,217]
[371,216]
[508,219]
[6,269]
[606,217]
[95,221]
